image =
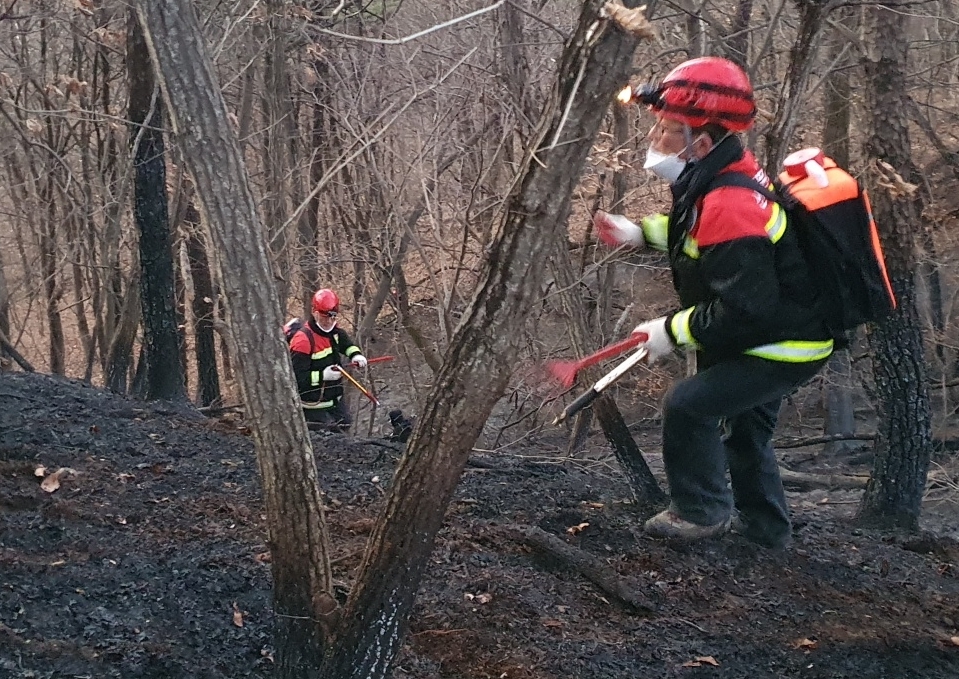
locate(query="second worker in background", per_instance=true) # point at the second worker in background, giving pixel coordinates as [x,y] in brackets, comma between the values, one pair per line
[317,350]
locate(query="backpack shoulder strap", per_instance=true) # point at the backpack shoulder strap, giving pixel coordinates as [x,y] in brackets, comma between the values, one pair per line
[309,334]
[746,182]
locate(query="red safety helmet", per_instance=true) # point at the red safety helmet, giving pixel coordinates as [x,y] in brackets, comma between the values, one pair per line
[326,301]
[706,90]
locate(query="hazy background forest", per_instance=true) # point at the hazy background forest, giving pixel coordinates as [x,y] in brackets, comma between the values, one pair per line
[381,139]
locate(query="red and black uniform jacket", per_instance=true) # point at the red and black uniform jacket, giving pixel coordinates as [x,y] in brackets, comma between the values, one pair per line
[313,349]
[741,277]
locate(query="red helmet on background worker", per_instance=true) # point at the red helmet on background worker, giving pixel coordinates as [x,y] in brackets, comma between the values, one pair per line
[702,91]
[325,301]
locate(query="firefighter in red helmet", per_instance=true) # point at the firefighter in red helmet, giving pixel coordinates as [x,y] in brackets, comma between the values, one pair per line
[748,307]
[317,350]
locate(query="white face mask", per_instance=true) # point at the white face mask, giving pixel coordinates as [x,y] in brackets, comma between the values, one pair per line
[663,165]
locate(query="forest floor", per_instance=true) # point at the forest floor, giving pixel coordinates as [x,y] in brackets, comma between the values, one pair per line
[149,560]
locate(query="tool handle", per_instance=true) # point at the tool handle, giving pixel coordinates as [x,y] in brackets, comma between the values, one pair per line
[593,393]
[614,349]
[581,402]
[378,359]
[620,370]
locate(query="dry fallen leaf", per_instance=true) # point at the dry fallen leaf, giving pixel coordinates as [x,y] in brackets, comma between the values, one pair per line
[633,21]
[237,615]
[263,557]
[700,661]
[40,471]
[482,598]
[806,643]
[52,482]
[552,623]
[574,530]
[954,641]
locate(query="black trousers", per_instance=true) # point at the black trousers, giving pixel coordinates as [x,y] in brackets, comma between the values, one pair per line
[337,417]
[724,417]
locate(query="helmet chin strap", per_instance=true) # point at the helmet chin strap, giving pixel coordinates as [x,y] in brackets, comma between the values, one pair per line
[688,136]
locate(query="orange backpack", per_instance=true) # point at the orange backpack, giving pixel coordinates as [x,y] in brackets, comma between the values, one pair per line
[837,234]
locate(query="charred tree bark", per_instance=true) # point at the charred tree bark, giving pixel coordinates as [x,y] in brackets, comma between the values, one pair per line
[164,371]
[904,432]
[299,544]
[4,303]
[208,377]
[477,364]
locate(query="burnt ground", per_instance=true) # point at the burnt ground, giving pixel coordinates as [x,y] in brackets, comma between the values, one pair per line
[149,561]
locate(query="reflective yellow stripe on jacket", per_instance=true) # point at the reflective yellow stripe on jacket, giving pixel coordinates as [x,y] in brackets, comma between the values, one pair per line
[787,351]
[775,228]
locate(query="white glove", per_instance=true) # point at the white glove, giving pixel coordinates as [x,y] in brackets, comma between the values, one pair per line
[615,230]
[659,343]
[332,373]
[359,360]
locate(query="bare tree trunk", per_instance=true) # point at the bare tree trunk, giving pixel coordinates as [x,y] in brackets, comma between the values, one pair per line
[904,432]
[4,302]
[299,543]
[477,364]
[801,61]
[276,108]
[737,45]
[119,351]
[840,417]
[51,285]
[208,378]
[161,342]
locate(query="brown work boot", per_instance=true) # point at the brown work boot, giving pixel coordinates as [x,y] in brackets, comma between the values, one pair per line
[669,525]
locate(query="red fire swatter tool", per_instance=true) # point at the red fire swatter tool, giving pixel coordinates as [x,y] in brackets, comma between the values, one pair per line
[565,371]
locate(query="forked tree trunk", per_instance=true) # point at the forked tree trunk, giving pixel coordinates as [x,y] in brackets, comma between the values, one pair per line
[904,434]
[478,362]
[299,544]
[163,370]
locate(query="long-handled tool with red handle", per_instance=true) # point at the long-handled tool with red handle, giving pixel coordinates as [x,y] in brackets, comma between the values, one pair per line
[367,393]
[601,384]
[565,371]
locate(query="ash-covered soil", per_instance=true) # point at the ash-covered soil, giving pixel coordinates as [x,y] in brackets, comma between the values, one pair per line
[149,560]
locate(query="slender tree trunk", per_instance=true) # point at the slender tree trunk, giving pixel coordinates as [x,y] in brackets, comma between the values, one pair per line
[51,284]
[477,364]
[164,371]
[904,433]
[737,45]
[802,59]
[299,544]
[208,378]
[119,352]
[840,416]
[4,302]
